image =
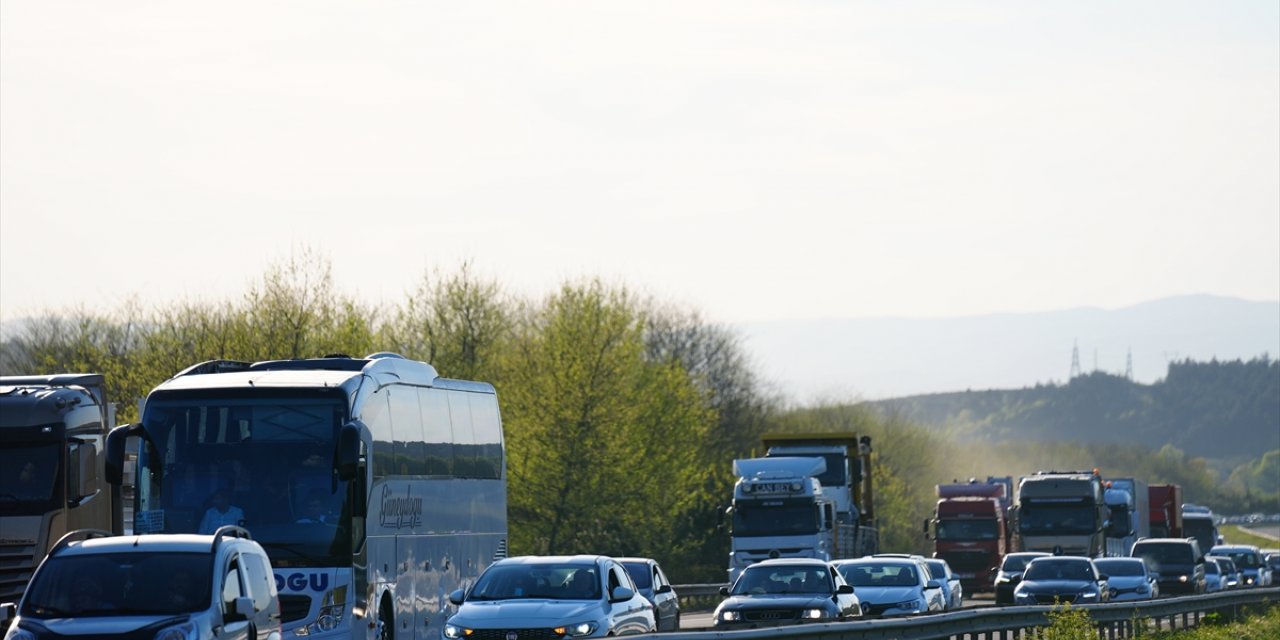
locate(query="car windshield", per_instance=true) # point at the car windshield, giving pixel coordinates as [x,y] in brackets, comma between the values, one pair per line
[1211,568]
[937,569]
[1119,567]
[967,530]
[776,579]
[120,584]
[1053,569]
[875,574]
[1158,554]
[640,574]
[567,581]
[1014,564]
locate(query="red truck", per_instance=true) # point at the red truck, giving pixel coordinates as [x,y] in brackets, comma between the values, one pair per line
[1165,502]
[969,531]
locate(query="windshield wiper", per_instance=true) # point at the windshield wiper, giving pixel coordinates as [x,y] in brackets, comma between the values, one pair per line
[50,611]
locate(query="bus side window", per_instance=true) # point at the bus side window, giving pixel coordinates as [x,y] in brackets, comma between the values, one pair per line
[406,423]
[488,434]
[464,442]
[436,431]
[377,417]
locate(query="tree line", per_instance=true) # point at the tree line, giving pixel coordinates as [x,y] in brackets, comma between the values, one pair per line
[622,414]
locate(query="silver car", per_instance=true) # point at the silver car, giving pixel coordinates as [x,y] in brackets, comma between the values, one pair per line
[551,597]
[1129,579]
[953,593]
[892,586]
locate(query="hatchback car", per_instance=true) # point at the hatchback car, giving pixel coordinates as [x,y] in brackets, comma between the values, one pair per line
[1230,573]
[786,591]
[1061,579]
[1010,574]
[1249,560]
[892,586]
[1128,578]
[550,597]
[952,591]
[652,583]
[180,586]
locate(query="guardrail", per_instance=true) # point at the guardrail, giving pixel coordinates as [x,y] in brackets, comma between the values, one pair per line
[1114,620]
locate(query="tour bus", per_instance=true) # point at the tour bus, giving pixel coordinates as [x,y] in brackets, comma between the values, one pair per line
[376,486]
[51,435]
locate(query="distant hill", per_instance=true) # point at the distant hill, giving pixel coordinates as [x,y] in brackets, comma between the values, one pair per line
[1228,411]
[876,358]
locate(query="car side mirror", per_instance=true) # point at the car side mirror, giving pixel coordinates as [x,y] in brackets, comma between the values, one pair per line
[457,596]
[933,584]
[621,593]
[1103,577]
[844,588]
[240,609]
[666,588]
[724,591]
[8,611]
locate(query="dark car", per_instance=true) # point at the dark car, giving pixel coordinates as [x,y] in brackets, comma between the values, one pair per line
[1177,563]
[1061,579]
[786,591]
[652,583]
[1010,574]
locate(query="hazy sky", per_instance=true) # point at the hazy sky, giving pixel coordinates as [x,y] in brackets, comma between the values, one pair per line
[758,161]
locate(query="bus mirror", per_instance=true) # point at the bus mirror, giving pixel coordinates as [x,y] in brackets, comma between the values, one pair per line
[116,440]
[348,452]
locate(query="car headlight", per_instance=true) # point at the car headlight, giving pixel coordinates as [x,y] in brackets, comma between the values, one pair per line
[184,631]
[730,616]
[1182,578]
[577,630]
[454,631]
[330,618]
[1089,595]
[813,614]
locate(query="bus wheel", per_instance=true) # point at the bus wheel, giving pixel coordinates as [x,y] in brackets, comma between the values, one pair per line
[386,622]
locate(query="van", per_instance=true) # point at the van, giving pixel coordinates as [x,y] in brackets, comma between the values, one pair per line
[95,585]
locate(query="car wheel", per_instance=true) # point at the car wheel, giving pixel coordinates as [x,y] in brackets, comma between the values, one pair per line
[386,622]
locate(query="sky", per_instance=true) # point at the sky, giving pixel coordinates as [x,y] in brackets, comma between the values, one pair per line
[757,161]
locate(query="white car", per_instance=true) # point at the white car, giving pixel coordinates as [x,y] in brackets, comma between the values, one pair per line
[164,586]
[1129,578]
[551,597]
[892,586]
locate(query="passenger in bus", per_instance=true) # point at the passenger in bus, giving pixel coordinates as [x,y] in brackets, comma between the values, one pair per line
[313,510]
[222,513]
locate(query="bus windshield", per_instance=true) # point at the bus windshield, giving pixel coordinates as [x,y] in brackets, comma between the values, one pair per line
[28,474]
[263,461]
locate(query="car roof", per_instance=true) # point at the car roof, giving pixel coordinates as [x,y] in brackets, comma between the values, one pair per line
[1130,560]
[1025,554]
[1224,547]
[154,542]
[1076,559]
[897,562]
[794,562]
[635,560]
[541,560]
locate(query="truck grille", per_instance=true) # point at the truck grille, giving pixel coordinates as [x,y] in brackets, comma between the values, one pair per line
[976,562]
[17,563]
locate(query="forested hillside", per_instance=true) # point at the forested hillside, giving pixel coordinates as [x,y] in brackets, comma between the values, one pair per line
[1218,410]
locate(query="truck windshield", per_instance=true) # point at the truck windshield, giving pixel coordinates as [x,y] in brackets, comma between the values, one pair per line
[262,461]
[753,520]
[967,530]
[1202,529]
[28,477]
[1057,519]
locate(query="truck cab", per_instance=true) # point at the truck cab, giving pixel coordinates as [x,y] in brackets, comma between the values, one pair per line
[969,532]
[1061,512]
[779,510]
